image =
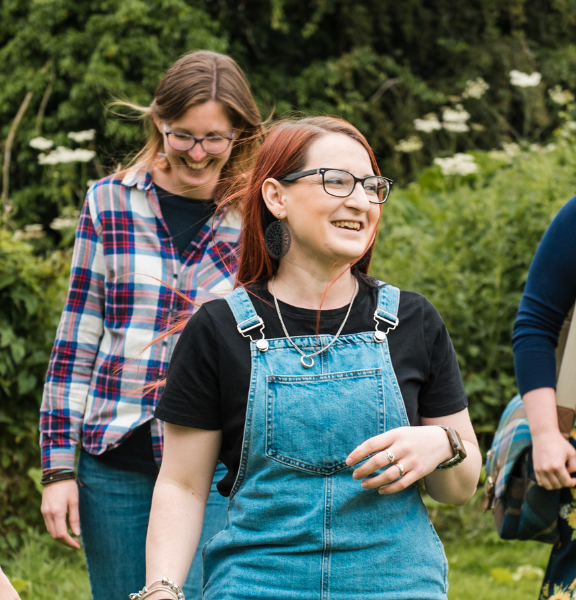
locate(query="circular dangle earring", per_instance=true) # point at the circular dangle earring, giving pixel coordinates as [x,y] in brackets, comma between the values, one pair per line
[278,239]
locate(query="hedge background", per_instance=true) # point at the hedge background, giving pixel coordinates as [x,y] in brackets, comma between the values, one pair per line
[463,240]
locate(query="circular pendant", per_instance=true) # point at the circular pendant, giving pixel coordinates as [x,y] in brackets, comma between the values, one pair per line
[379,336]
[262,345]
[305,364]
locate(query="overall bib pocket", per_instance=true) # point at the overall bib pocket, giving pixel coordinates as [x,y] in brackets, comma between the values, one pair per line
[313,422]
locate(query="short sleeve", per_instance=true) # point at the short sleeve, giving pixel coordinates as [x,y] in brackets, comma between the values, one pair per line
[444,393]
[192,394]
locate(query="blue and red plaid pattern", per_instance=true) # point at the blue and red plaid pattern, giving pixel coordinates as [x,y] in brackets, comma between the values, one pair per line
[511,439]
[118,303]
[522,509]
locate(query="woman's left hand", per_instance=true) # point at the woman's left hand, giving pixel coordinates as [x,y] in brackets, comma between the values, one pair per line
[416,451]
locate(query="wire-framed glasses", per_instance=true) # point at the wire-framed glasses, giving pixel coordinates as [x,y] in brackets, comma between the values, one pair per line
[212,144]
[341,183]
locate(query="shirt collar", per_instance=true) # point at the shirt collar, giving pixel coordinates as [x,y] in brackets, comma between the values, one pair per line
[141,178]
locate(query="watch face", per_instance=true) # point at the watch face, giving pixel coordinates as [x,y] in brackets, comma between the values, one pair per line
[457,444]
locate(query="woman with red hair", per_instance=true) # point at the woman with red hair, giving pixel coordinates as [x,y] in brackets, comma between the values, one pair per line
[326,394]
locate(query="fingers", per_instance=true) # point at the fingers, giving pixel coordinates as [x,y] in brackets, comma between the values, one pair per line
[58,500]
[375,463]
[375,444]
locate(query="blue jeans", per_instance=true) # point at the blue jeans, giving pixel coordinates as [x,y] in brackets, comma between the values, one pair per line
[114,510]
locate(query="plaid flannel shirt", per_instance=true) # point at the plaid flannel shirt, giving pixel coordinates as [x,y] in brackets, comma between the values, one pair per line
[118,303]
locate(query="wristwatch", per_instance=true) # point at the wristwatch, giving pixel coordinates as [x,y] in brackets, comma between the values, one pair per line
[457,446]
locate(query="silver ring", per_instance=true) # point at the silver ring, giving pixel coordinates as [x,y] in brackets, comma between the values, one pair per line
[390,455]
[401,469]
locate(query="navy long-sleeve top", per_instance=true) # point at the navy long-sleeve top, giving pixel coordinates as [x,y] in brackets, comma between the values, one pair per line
[549,294]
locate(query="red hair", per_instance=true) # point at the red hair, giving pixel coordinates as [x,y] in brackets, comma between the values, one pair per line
[284,151]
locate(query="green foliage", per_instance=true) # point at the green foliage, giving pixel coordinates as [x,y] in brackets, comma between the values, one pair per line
[31,295]
[76,57]
[44,569]
[466,243]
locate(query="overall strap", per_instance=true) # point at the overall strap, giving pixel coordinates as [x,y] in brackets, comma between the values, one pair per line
[247,319]
[386,313]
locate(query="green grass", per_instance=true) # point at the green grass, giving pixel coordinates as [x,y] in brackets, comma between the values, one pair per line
[482,567]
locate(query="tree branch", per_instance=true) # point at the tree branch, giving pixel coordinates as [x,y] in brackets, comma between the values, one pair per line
[9,142]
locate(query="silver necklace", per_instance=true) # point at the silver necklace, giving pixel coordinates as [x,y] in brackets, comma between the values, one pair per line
[305,357]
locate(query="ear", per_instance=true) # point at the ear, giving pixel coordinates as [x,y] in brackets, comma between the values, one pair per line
[274,197]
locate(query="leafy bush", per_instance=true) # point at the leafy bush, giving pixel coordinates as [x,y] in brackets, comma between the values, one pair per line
[466,243]
[31,294]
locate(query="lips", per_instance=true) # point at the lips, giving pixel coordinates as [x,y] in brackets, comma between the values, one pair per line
[197,166]
[352,225]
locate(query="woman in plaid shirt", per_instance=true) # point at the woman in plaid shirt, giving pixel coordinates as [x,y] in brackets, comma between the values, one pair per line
[145,234]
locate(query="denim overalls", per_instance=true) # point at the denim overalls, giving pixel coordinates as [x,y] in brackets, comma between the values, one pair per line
[299,526]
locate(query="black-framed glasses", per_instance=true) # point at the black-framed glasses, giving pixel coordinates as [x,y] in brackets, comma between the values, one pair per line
[212,144]
[341,183]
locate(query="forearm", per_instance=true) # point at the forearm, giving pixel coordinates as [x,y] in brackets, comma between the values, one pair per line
[540,405]
[174,531]
[458,484]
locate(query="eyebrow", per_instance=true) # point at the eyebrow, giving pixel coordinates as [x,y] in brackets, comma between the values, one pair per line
[187,131]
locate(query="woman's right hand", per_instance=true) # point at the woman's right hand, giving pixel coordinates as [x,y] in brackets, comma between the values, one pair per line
[554,460]
[58,500]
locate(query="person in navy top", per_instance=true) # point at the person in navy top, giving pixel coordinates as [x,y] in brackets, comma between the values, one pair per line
[548,297]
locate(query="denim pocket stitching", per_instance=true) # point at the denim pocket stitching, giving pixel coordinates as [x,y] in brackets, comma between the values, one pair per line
[375,373]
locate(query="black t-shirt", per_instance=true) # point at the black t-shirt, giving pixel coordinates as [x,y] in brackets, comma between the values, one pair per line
[184,216]
[209,374]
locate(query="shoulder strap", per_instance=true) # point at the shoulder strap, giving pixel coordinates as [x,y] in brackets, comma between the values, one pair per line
[388,301]
[566,387]
[386,312]
[244,312]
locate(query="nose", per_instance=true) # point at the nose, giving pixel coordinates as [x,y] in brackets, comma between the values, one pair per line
[358,199]
[197,153]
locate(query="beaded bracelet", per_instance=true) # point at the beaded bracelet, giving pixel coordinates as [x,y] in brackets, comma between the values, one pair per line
[165,585]
[58,475]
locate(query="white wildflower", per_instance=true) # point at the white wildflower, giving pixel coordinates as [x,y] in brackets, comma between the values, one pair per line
[499,155]
[82,136]
[30,232]
[477,127]
[511,149]
[535,148]
[455,115]
[565,510]
[63,223]
[528,572]
[428,123]
[571,124]
[520,79]
[459,164]
[549,148]
[41,143]
[412,144]
[560,96]
[456,127]
[66,155]
[475,88]
[454,98]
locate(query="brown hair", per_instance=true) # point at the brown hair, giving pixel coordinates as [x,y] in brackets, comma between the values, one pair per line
[194,79]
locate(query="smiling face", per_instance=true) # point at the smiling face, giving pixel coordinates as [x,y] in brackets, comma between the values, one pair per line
[195,173]
[328,230]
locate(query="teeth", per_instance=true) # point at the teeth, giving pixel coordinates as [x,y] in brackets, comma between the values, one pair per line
[197,166]
[347,225]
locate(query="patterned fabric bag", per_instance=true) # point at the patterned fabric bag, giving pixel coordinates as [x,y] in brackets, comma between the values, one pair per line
[522,509]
